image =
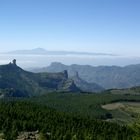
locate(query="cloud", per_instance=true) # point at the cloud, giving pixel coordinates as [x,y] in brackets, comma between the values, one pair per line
[44,60]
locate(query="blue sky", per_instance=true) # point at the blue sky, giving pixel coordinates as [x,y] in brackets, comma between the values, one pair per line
[107,26]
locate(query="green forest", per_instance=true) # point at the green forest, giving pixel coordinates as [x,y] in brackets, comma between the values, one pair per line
[46,115]
[25,116]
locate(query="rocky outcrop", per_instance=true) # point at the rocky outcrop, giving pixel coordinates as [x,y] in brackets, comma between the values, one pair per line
[85,86]
[69,86]
[28,136]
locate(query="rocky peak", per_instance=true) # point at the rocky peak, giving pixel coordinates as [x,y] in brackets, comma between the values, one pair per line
[14,62]
[65,74]
[77,74]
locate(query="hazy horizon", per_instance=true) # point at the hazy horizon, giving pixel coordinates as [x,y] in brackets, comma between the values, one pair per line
[72,25]
[36,61]
[95,26]
[33,60]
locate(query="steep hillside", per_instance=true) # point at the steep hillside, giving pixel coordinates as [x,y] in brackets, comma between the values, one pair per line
[14,81]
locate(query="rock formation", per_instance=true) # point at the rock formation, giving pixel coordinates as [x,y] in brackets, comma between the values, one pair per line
[14,61]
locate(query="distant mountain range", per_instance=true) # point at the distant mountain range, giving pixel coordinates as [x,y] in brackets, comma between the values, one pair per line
[41,51]
[16,82]
[107,77]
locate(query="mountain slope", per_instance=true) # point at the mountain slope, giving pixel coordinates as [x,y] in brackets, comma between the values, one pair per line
[106,76]
[14,81]
[85,86]
[17,81]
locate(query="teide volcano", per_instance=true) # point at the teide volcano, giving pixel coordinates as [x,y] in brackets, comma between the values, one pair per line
[16,82]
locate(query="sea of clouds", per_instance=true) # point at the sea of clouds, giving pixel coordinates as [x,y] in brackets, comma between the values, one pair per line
[33,61]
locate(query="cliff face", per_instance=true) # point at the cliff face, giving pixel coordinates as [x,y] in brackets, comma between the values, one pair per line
[69,86]
[85,86]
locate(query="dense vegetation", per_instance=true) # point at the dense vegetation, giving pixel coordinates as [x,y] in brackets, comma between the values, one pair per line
[70,116]
[85,104]
[22,115]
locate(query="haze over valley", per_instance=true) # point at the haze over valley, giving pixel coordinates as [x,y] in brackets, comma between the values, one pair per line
[38,57]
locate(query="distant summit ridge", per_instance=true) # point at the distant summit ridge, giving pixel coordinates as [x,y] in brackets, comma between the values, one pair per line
[41,51]
[33,51]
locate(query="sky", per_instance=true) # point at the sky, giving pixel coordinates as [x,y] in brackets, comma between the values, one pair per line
[105,26]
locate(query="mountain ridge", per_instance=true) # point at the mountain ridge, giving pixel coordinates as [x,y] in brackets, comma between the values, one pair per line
[107,76]
[15,81]
[41,51]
